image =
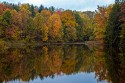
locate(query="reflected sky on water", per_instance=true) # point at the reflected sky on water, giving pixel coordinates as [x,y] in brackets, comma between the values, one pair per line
[75,78]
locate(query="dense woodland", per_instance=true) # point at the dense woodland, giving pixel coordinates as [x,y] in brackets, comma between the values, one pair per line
[29,23]
[25,23]
[110,24]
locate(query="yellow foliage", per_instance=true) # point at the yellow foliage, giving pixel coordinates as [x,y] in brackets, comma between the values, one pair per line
[55,26]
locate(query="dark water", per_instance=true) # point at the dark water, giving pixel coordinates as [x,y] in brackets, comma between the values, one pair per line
[62,64]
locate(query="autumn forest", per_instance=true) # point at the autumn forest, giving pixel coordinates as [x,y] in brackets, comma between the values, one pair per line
[24,22]
[29,23]
[38,42]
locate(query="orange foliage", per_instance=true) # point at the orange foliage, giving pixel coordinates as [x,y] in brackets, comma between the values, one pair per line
[101,19]
[55,26]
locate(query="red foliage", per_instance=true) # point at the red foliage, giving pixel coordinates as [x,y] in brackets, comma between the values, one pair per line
[59,12]
[4,7]
[1,7]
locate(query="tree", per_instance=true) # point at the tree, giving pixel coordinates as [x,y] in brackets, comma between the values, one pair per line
[41,8]
[87,26]
[122,34]
[113,27]
[12,32]
[7,18]
[25,14]
[6,21]
[55,28]
[79,28]
[1,8]
[122,20]
[46,14]
[16,18]
[42,29]
[32,30]
[100,21]
[15,7]
[32,10]
[69,25]
[52,8]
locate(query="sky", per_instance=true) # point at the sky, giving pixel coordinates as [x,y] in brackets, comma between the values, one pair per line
[79,5]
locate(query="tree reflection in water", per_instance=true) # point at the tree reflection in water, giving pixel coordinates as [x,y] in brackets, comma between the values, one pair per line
[48,61]
[115,60]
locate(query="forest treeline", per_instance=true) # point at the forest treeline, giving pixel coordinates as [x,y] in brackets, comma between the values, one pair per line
[25,22]
[31,23]
[110,24]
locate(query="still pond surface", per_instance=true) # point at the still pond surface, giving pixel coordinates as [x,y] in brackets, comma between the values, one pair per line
[62,64]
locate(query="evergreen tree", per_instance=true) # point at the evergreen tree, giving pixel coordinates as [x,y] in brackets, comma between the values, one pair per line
[113,27]
[41,8]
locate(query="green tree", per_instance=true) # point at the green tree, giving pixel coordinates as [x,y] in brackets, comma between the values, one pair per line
[87,25]
[41,8]
[32,10]
[113,27]
[7,19]
[52,8]
[79,28]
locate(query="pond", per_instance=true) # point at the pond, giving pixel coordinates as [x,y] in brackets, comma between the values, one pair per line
[62,64]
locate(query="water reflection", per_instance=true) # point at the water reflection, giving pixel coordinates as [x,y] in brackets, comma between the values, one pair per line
[30,63]
[115,60]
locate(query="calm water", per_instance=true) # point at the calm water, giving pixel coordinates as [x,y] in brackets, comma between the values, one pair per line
[62,64]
